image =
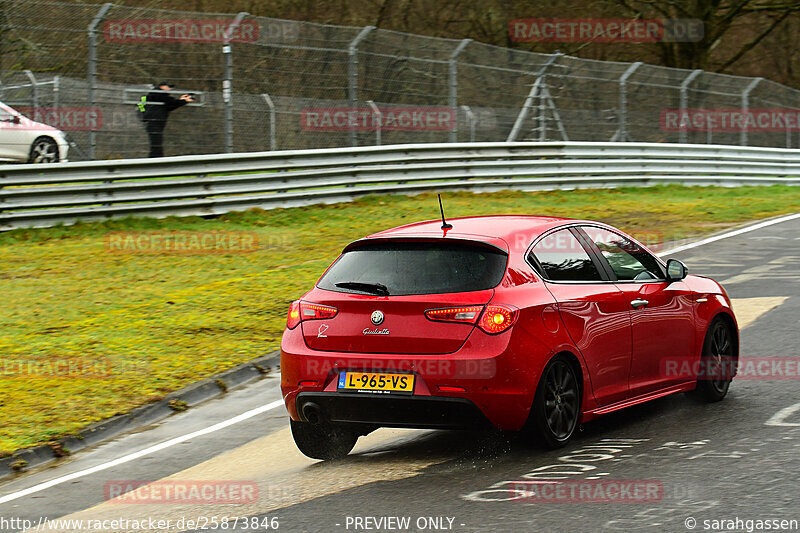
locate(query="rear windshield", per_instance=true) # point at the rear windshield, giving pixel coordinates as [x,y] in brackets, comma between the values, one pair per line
[406,268]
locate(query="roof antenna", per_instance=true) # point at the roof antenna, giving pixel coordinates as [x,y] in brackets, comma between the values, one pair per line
[445,225]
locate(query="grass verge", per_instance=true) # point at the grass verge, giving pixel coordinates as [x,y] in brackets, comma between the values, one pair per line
[145,325]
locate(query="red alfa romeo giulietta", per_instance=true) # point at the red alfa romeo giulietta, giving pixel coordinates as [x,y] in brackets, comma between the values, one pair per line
[518,322]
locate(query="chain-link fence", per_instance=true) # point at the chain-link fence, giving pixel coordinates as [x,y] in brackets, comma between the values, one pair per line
[266,84]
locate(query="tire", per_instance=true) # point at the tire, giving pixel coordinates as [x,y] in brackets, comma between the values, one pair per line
[556,405]
[716,362]
[323,441]
[44,150]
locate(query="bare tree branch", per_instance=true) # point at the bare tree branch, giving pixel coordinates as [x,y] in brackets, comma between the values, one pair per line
[382,13]
[746,48]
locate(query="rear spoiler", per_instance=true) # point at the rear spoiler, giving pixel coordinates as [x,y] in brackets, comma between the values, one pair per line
[448,240]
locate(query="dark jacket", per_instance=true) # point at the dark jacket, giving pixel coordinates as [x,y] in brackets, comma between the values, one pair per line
[158,112]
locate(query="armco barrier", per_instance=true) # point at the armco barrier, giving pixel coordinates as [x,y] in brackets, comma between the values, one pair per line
[41,196]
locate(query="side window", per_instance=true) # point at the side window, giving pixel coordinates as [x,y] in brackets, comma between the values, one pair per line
[628,260]
[563,258]
[7,116]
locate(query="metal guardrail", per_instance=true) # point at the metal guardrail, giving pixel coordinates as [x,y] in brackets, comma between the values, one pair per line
[41,196]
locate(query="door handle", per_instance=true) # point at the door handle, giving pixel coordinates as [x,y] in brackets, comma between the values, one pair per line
[639,303]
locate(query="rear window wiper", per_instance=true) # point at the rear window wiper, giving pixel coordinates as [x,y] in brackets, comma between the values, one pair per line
[374,288]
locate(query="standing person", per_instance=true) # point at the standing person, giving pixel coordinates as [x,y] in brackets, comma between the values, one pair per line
[159,106]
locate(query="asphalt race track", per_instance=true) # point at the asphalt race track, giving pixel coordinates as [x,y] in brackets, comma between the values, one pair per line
[709,465]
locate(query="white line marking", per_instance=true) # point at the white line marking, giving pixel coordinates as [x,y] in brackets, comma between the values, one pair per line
[734,233]
[141,453]
[779,417]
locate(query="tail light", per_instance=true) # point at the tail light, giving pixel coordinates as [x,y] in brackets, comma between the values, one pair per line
[466,315]
[294,315]
[300,310]
[497,318]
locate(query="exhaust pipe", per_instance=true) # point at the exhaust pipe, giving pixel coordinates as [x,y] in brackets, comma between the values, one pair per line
[312,413]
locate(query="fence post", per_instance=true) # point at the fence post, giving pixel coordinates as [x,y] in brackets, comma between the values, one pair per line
[542,109]
[745,108]
[379,115]
[622,131]
[34,90]
[470,121]
[352,73]
[685,100]
[526,107]
[453,85]
[93,69]
[271,106]
[227,83]
[56,90]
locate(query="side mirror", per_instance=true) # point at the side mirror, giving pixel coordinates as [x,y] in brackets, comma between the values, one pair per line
[15,120]
[676,270]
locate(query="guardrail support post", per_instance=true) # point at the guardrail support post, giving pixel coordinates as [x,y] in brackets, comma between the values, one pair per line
[622,131]
[534,92]
[352,74]
[227,83]
[745,109]
[271,106]
[379,125]
[453,85]
[93,69]
[685,100]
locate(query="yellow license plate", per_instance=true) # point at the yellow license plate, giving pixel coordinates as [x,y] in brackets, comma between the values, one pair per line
[376,382]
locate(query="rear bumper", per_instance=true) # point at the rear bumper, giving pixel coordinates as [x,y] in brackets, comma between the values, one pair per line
[424,412]
[486,380]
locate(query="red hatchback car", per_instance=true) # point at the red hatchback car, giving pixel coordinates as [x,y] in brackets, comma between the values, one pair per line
[517,322]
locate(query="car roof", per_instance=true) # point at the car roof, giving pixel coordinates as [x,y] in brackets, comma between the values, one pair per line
[501,231]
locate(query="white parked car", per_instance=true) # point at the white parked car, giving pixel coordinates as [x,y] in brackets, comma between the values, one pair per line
[27,141]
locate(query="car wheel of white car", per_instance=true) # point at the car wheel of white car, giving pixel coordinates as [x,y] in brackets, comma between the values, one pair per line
[44,150]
